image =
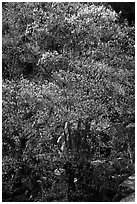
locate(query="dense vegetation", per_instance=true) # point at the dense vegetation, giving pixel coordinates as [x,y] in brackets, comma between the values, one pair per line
[68,101]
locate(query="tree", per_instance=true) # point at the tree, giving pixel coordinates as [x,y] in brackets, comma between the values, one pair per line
[68,72]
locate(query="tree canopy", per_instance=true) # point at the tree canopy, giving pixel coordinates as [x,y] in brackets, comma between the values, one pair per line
[68,96]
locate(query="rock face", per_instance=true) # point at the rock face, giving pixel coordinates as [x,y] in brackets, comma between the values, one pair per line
[130,198]
[127,188]
[129,182]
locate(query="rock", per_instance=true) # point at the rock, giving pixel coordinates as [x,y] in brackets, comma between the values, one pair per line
[128,183]
[127,188]
[130,198]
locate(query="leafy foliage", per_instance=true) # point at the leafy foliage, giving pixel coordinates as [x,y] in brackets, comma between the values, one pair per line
[68,101]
